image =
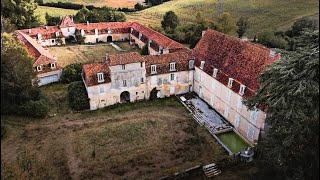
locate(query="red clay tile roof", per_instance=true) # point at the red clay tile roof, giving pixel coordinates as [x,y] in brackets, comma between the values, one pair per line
[90,73]
[157,37]
[66,21]
[126,58]
[41,55]
[103,25]
[234,58]
[162,61]
[47,32]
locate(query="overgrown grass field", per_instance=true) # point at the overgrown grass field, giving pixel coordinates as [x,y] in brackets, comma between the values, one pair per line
[262,14]
[110,3]
[87,53]
[42,10]
[143,140]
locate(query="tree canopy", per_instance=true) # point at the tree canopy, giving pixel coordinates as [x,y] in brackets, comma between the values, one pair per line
[290,91]
[226,24]
[20,13]
[170,21]
[243,25]
[103,14]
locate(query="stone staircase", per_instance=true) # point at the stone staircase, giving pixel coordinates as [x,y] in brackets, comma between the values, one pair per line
[211,170]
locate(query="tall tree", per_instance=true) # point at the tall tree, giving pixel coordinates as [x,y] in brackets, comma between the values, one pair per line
[170,21]
[20,12]
[243,25]
[6,25]
[226,24]
[290,91]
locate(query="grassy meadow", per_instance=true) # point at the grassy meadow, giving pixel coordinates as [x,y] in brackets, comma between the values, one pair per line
[262,14]
[143,140]
[110,3]
[42,10]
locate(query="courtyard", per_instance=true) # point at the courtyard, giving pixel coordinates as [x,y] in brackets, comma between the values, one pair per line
[86,53]
[147,139]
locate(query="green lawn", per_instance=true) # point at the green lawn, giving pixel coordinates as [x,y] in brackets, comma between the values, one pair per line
[41,11]
[263,14]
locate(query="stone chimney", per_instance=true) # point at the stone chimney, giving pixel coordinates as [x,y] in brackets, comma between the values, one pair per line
[29,30]
[203,32]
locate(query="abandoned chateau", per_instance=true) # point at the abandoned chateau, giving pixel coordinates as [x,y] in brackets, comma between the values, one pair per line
[221,69]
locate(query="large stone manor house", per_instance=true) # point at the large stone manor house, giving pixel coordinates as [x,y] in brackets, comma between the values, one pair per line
[221,69]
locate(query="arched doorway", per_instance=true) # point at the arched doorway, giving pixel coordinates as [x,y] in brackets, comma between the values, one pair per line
[125,97]
[109,39]
[153,94]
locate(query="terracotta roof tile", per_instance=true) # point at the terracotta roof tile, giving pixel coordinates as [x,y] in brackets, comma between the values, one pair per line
[234,58]
[47,32]
[157,37]
[162,61]
[90,73]
[126,58]
[66,21]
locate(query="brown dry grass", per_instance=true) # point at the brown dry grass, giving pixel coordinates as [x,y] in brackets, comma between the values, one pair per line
[87,53]
[142,140]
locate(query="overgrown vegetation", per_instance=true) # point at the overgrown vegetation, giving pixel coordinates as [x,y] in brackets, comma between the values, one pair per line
[103,14]
[77,96]
[71,73]
[290,91]
[18,95]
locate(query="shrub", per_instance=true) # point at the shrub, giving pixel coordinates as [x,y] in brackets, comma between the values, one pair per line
[38,108]
[138,7]
[71,73]
[268,39]
[145,50]
[77,95]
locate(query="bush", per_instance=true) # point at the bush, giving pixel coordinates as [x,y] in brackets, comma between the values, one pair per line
[139,7]
[38,108]
[71,73]
[77,95]
[145,50]
[268,39]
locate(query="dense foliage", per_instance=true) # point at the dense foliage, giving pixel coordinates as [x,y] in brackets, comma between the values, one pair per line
[170,21]
[77,95]
[243,26]
[18,96]
[144,50]
[52,20]
[6,25]
[71,73]
[226,24]
[103,14]
[269,39]
[20,13]
[290,91]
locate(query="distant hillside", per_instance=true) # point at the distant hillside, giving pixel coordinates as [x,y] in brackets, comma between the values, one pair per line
[110,3]
[41,11]
[264,14]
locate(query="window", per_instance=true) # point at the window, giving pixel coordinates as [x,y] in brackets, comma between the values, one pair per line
[141,64]
[230,82]
[250,132]
[136,93]
[172,66]
[124,82]
[228,96]
[100,77]
[101,88]
[236,121]
[153,69]
[142,80]
[226,111]
[172,77]
[202,65]
[57,34]
[52,65]
[254,116]
[242,88]
[97,40]
[123,67]
[52,41]
[191,64]
[239,104]
[39,68]
[215,72]
[68,30]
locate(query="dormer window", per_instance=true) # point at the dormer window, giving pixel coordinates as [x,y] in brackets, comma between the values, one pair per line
[230,82]
[39,68]
[52,65]
[215,72]
[153,69]
[202,64]
[100,77]
[57,34]
[172,66]
[242,88]
[123,67]
[191,64]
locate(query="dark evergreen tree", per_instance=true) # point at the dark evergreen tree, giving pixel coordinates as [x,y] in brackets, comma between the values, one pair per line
[289,93]
[170,21]
[243,25]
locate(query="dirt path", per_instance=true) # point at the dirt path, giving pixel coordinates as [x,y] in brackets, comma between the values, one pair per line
[73,162]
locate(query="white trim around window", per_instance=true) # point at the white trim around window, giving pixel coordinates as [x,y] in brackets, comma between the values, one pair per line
[100,77]
[153,69]
[173,66]
[52,65]
[39,68]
